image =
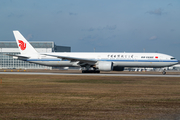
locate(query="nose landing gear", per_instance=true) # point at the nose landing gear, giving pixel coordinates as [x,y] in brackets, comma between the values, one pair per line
[164,72]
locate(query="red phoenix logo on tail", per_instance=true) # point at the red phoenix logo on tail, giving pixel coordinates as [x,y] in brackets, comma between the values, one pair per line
[22,45]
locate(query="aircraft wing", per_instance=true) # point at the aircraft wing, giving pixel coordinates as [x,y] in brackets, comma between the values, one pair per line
[19,56]
[73,59]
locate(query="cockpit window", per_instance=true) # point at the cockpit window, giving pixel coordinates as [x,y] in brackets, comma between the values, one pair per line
[173,58]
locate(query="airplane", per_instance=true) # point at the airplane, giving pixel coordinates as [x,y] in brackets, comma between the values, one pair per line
[93,62]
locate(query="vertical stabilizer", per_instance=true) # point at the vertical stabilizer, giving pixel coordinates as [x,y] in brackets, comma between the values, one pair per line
[24,46]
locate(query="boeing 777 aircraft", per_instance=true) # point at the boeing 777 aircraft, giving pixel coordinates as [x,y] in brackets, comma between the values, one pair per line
[93,62]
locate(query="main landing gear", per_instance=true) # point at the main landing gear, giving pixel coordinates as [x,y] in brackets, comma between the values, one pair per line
[90,71]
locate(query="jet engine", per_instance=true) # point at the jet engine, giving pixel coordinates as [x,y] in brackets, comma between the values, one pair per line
[104,66]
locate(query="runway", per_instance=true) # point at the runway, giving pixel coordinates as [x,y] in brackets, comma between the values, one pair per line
[89,74]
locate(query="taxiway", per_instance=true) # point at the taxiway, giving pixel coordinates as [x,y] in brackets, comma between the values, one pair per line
[90,74]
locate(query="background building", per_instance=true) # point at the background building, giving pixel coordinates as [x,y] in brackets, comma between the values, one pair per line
[10,47]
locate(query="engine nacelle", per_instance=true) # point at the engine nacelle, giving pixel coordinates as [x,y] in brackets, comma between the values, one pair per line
[104,66]
[117,68]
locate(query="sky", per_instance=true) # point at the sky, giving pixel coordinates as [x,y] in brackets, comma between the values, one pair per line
[96,25]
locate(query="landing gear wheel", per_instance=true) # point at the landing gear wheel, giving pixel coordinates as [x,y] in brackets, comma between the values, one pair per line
[164,72]
[90,71]
[97,71]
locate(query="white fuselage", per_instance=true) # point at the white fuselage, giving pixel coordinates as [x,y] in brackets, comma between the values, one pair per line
[118,59]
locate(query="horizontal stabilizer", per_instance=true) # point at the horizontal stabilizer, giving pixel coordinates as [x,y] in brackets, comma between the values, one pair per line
[19,56]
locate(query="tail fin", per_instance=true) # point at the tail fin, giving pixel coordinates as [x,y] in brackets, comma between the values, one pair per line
[24,46]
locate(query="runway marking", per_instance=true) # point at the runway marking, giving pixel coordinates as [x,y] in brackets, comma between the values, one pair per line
[90,74]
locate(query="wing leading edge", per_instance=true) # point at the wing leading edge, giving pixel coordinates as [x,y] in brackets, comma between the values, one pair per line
[74,59]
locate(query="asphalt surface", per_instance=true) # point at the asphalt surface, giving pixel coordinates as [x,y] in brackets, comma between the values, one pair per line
[89,74]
